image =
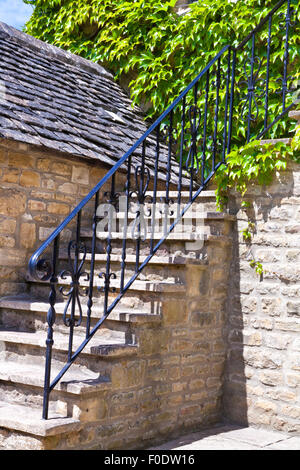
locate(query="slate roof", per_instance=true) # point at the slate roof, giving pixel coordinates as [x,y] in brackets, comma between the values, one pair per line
[59,101]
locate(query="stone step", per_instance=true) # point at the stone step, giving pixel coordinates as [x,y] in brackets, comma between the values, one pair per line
[286,141]
[182,236]
[140,297]
[28,420]
[24,312]
[295,115]
[76,381]
[25,302]
[137,285]
[188,215]
[185,195]
[171,260]
[106,343]
[159,271]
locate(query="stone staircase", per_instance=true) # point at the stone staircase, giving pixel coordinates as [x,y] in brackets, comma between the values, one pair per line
[165,313]
[155,365]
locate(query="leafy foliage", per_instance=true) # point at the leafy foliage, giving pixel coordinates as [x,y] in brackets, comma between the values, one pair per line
[254,163]
[148,41]
[162,52]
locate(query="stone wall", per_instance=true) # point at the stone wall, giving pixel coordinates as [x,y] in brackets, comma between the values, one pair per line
[173,383]
[38,189]
[262,385]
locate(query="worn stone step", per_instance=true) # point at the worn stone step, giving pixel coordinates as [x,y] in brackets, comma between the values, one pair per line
[25,302]
[185,235]
[142,296]
[177,236]
[159,271]
[106,343]
[185,195]
[172,216]
[137,285]
[171,260]
[28,419]
[76,381]
[24,311]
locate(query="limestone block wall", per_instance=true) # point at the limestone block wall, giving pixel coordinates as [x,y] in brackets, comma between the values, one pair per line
[262,383]
[38,189]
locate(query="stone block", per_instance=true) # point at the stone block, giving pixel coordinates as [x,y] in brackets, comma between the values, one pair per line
[8,226]
[27,235]
[7,241]
[92,409]
[11,175]
[69,188]
[276,341]
[58,208]
[272,306]
[271,378]
[38,206]
[128,375]
[20,160]
[12,202]
[30,179]
[293,308]
[62,169]
[80,175]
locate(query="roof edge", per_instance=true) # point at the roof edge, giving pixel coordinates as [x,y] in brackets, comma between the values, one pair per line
[54,52]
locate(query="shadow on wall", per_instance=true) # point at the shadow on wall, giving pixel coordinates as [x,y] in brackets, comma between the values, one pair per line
[260,384]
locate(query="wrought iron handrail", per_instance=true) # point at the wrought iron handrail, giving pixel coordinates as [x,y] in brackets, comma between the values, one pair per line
[197,128]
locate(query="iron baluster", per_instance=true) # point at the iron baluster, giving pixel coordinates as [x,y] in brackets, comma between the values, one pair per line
[286,55]
[140,213]
[218,84]
[205,127]
[226,106]
[75,273]
[194,118]
[50,320]
[288,23]
[170,141]
[268,72]
[153,221]
[92,269]
[166,201]
[251,88]
[107,275]
[125,227]
[232,90]
[181,155]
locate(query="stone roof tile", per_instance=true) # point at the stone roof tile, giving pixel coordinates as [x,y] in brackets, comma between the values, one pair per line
[55,99]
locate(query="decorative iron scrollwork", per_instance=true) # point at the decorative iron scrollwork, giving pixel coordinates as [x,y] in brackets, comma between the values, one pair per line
[252,82]
[194,116]
[287,86]
[214,145]
[111,197]
[287,19]
[73,293]
[106,287]
[43,270]
[142,179]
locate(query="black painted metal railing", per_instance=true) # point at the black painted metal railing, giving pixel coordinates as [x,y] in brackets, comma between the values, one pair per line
[181,151]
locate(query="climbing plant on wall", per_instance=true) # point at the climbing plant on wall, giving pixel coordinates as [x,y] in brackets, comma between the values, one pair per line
[160,50]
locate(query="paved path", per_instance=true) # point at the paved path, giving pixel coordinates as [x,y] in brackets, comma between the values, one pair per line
[230,437]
